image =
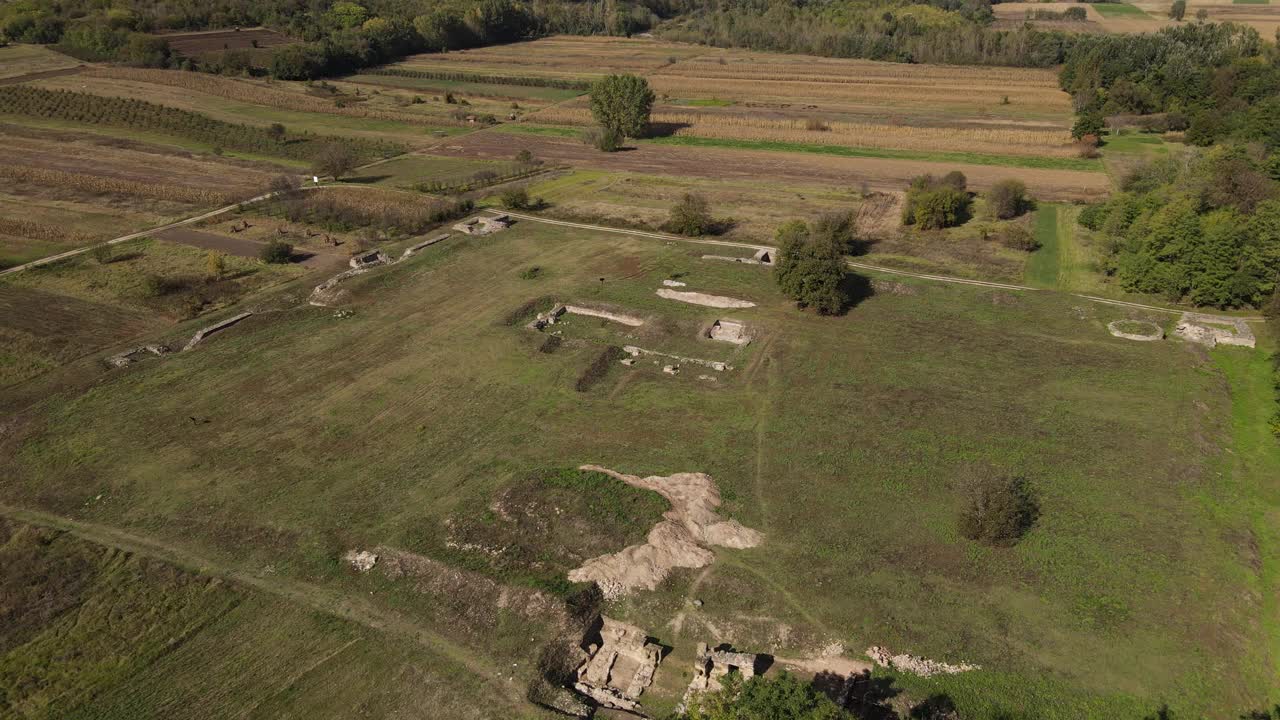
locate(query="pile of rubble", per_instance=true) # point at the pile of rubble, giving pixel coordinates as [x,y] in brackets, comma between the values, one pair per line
[484,224]
[711,666]
[923,667]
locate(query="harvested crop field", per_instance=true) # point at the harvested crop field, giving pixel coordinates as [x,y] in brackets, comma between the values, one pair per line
[199,43]
[561,56]
[780,167]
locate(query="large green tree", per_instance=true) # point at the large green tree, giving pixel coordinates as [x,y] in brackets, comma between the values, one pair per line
[622,103]
[810,267]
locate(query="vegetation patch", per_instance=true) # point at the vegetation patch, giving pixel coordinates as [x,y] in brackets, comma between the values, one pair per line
[548,522]
[1109,9]
[599,368]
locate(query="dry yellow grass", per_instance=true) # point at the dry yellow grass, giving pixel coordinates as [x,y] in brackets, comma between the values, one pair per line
[563,56]
[120,186]
[256,93]
[1040,143]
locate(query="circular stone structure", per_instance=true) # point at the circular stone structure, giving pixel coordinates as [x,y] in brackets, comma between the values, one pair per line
[1121,328]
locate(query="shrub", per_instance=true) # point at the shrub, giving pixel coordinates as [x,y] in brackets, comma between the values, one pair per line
[102,254]
[691,216]
[999,510]
[602,139]
[1018,237]
[761,697]
[334,159]
[1008,199]
[215,264]
[1092,216]
[515,199]
[277,252]
[525,157]
[530,273]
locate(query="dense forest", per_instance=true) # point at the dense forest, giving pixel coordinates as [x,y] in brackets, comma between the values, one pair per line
[1205,227]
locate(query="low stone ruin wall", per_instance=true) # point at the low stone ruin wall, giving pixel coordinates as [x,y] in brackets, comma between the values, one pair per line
[607,315]
[425,243]
[716,365]
[1214,330]
[130,356]
[1153,331]
[696,298]
[216,327]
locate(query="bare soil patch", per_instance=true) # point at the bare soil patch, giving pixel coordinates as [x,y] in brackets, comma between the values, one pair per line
[197,43]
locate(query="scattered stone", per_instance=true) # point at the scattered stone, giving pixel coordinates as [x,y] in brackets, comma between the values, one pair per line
[361,560]
[324,293]
[708,378]
[425,243]
[679,540]
[730,258]
[607,315]
[716,365]
[343,314]
[730,331]
[1214,330]
[914,664]
[674,283]
[892,287]
[206,332]
[696,298]
[1140,330]
[131,356]
[671,369]
[629,361]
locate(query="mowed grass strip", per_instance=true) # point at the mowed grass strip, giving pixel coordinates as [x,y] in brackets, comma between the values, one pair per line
[1043,265]
[1042,163]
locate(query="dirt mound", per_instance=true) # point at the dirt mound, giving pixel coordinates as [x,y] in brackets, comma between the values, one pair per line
[680,540]
[923,667]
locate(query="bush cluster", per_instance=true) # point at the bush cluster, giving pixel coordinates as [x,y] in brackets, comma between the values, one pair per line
[936,203]
[999,510]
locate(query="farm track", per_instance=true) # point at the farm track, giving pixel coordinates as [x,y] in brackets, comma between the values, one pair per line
[624,231]
[866,266]
[354,608]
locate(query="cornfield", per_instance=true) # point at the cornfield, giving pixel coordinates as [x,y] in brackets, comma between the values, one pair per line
[745,127]
[345,209]
[911,91]
[252,93]
[115,186]
[126,112]
[455,76]
[42,231]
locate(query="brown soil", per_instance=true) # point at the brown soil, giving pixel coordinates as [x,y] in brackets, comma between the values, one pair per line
[216,40]
[240,247]
[130,164]
[782,167]
[16,80]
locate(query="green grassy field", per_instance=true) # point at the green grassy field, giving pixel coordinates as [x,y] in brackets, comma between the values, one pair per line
[848,441]
[410,169]
[18,59]
[1119,9]
[95,632]
[1085,164]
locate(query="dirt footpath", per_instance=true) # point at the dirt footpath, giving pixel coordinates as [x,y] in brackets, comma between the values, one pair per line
[783,167]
